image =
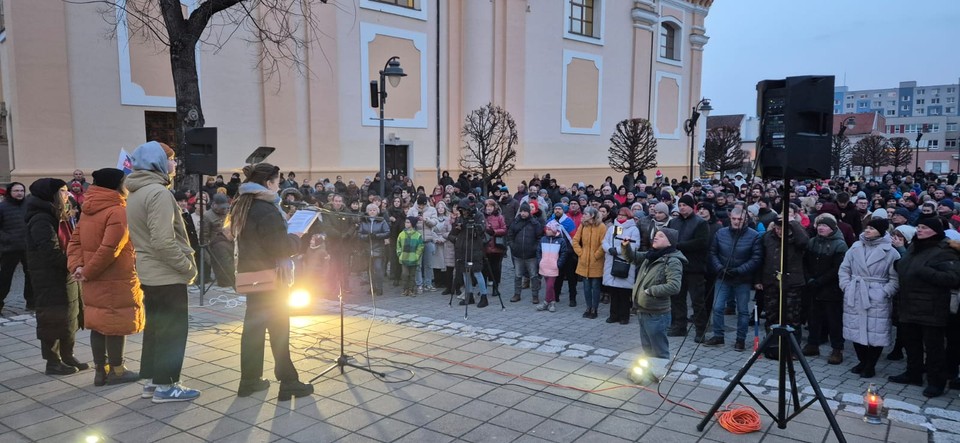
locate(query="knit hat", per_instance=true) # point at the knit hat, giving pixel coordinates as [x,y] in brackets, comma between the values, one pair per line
[421,199]
[673,236]
[930,222]
[641,194]
[948,202]
[662,207]
[524,207]
[413,221]
[110,178]
[553,226]
[903,212]
[687,199]
[827,219]
[880,224]
[908,232]
[879,213]
[46,189]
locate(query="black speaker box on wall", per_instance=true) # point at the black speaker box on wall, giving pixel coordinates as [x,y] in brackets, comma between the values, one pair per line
[200,151]
[796,127]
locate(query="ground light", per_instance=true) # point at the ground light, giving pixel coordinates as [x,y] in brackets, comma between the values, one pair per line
[872,405]
[646,370]
[299,299]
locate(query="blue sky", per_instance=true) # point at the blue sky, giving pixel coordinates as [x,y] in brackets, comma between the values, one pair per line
[873,43]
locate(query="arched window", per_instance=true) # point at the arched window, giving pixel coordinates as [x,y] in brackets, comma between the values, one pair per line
[669,41]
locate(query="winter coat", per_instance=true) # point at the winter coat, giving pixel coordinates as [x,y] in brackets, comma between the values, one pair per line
[264,240]
[496,227]
[926,277]
[112,298]
[158,231]
[588,244]
[439,258]
[339,227]
[429,221]
[552,255]
[797,240]
[869,281]
[657,279]
[372,234]
[59,309]
[13,226]
[821,263]
[468,244]
[523,237]
[449,249]
[410,247]
[736,255]
[694,241]
[508,209]
[628,230]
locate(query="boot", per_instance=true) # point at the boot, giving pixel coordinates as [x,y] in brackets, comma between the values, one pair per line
[605,299]
[468,300]
[60,368]
[483,301]
[119,375]
[536,300]
[836,357]
[811,350]
[100,377]
[297,389]
[586,314]
[72,361]
[935,389]
[249,387]
[515,298]
[594,315]
[907,378]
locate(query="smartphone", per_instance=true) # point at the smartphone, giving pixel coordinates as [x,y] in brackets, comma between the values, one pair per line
[617,230]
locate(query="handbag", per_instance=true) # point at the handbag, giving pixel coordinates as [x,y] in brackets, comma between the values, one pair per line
[257,281]
[620,268]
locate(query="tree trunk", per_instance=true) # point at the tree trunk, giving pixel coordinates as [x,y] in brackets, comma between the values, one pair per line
[186,81]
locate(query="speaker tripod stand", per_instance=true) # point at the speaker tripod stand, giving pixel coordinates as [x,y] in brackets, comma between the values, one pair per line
[343,360]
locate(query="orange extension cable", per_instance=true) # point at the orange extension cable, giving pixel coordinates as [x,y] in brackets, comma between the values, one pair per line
[739,419]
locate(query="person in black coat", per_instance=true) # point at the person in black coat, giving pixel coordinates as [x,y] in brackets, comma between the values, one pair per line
[374,234]
[822,293]
[59,310]
[694,243]
[523,238]
[467,235]
[260,229]
[13,227]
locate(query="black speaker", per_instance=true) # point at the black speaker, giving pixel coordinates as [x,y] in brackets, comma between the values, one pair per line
[374,94]
[200,151]
[796,127]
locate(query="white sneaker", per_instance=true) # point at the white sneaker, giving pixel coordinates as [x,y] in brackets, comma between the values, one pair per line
[542,306]
[148,390]
[552,306]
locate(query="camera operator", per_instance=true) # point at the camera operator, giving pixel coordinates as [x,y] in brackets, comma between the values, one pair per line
[467,236]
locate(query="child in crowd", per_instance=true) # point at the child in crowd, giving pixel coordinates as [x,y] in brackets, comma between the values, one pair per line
[552,255]
[409,250]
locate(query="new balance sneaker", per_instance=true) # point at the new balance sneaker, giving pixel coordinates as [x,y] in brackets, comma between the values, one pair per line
[148,390]
[174,392]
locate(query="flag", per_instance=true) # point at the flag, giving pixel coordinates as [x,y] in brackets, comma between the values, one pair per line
[125,163]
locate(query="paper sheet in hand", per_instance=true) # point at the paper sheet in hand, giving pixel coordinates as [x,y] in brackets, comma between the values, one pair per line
[301,221]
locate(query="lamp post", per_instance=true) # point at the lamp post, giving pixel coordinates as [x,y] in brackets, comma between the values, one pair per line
[849,123]
[702,107]
[920,132]
[393,71]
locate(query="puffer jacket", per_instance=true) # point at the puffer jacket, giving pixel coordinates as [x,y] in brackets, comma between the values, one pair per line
[59,308]
[869,281]
[628,231]
[821,263]
[552,255]
[112,298]
[496,227]
[372,234]
[523,237]
[12,226]
[588,245]
[736,255]
[158,231]
[657,280]
[926,277]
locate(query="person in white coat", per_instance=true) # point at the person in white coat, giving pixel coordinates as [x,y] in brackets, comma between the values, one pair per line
[427,216]
[620,284]
[869,281]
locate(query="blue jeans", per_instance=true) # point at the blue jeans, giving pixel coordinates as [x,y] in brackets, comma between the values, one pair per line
[591,292]
[424,271]
[740,293]
[481,283]
[526,268]
[653,334]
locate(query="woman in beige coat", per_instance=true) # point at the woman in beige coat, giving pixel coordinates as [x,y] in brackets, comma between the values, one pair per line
[588,245]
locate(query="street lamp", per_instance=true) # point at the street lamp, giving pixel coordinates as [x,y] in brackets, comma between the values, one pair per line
[920,132]
[849,123]
[702,107]
[393,72]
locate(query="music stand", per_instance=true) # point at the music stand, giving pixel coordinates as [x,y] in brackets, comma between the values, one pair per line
[260,154]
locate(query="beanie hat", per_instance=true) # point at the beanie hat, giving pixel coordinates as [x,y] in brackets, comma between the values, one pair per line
[879,213]
[168,150]
[673,236]
[47,188]
[553,226]
[908,232]
[110,178]
[880,224]
[933,223]
[948,202]
[413,221]
[903,212]
[421,199]
[524,207]
[662,207]
[827,219]
[687,199]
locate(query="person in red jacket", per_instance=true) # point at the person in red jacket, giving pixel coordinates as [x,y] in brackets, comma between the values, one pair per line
[495,247]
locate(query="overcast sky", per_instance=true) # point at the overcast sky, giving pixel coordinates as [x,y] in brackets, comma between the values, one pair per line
[871,43]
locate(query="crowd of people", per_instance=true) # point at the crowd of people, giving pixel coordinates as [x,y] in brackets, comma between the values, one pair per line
[873,261]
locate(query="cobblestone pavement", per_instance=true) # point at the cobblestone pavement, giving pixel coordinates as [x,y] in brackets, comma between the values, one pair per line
[519,327]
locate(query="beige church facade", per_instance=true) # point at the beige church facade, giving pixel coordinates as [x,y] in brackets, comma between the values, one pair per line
[566,70]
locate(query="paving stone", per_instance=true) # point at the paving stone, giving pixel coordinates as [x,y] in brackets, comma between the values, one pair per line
[492,331]
[550,349]
[945,437]
[828,393]
[901,405]
[906,417]
[506,341]
[597,359]
[511,335]
[851,398]
[573,353]
[605,352]
[751,380]
[535,338]
[713,373]
[558,343]
[943,413]
[946,425]
[526,345]
[580,347]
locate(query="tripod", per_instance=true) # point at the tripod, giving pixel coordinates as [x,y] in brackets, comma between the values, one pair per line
[781,336]
[343,359]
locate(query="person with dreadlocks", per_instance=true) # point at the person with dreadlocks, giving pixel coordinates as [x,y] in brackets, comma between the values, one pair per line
[258,224]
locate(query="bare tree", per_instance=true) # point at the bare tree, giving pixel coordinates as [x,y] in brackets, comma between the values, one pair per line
[901,154]
[840,152]
[723,149]
[281,30]
[633,147]
[872,151]
[490,135]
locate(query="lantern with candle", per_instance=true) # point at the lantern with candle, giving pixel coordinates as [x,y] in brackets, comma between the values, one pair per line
[872,405]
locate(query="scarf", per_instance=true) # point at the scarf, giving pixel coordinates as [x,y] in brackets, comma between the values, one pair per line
[923,244]
[654,254]
[260,192]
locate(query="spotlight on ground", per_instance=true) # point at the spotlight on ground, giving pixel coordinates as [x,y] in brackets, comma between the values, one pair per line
[299,299]
[92,439]
[646,370]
